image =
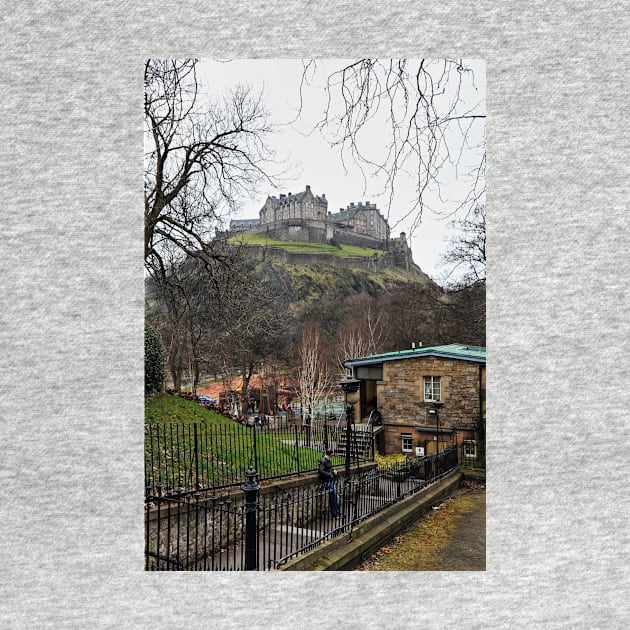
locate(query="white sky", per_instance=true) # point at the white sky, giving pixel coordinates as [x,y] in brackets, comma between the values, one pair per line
[309,159]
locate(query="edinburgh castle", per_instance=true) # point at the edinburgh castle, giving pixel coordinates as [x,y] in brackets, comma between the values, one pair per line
[304,217]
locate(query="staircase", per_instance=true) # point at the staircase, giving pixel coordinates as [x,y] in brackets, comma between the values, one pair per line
[360,441]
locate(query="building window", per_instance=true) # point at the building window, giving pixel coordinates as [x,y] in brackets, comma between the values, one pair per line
[407,445]
[432,389]
[470,449]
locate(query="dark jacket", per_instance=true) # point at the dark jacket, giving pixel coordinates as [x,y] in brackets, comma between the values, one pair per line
[325,470]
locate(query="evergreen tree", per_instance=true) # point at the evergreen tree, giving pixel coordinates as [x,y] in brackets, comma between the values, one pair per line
[154,361]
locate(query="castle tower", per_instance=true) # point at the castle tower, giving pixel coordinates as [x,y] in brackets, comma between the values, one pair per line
[301,206]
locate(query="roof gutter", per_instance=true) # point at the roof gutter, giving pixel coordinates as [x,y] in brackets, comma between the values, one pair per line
[442,355]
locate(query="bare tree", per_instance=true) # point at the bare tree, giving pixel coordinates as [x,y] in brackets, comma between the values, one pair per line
[249,321]
[185,316]
[315,380]
[415,313]
[219,313]
[466,296]
[468,251]
[466,313]
[165,310]
[434,112]
[201,156]
[360,337]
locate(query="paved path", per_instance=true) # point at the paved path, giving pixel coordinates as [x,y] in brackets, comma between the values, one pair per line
[466,550]
[452,538]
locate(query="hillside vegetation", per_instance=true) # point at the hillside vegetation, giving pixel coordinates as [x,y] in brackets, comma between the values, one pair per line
[319,289]
[315,286]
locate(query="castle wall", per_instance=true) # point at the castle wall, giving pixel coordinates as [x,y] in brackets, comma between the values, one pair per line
[397,253]
[295,230]
[349,237]
[310,231]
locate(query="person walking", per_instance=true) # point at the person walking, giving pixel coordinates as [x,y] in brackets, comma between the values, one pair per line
[328,476]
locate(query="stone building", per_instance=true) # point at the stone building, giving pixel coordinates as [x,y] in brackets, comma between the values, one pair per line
[425,396]
[364,219]
[303,205]
[243,225]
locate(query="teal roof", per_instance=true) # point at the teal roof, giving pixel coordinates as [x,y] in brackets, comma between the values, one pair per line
[450,351]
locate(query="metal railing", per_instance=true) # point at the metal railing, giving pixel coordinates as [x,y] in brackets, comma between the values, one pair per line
[473,459]
[197,530]
[200,456]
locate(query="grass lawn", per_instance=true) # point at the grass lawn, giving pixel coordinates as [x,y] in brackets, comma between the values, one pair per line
[340,250]
[186,443]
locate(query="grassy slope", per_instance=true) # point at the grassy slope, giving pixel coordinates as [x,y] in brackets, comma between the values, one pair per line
[167,409]
[310,248]
[169,446]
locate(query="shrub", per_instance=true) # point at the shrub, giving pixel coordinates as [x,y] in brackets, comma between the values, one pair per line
[154,361]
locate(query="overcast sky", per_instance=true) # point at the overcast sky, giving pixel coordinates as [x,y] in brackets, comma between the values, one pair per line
[309,158]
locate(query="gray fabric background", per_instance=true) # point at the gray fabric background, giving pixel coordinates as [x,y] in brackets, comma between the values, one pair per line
[71,538]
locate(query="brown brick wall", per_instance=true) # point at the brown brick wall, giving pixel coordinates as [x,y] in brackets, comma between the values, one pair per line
[401,398]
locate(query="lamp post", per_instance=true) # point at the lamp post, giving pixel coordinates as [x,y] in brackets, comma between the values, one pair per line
[350,388]
[436,407]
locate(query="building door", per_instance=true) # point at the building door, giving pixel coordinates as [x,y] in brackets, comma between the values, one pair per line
[431,446]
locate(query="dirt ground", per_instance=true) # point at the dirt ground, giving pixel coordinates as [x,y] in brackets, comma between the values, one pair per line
[451,538]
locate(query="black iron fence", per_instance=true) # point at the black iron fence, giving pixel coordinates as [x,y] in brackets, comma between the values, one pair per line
[248,530]
[201,456]
[473,456]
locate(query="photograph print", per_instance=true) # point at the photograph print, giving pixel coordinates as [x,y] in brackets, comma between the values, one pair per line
[315,314]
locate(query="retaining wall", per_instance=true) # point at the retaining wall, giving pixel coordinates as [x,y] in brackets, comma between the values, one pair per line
[345,551]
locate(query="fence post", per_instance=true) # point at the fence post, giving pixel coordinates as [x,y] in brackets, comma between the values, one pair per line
[297,450]
[251,488]
[197,484]
[256,467]
[372,438]
[357,496]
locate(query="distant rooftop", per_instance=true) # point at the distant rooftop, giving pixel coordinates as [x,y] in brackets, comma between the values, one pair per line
[348,213]
[450,351]
[235,224]
[286,199]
